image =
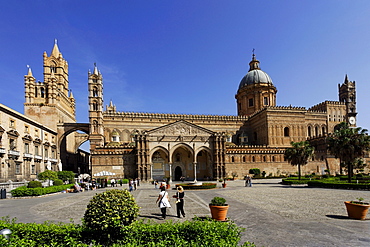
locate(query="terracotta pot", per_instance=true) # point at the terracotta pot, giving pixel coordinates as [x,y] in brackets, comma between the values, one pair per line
[223,185]
[356,211]
[219,212]
[168,186]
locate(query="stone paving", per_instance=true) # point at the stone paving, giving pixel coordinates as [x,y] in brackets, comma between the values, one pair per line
[272,214]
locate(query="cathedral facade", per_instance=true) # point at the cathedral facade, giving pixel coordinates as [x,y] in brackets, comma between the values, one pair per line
[201,147]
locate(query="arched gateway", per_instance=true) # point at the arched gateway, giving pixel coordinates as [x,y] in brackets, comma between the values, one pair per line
[69,142]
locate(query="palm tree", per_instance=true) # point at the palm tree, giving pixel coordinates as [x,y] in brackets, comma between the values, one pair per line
[299,154]
[348,144]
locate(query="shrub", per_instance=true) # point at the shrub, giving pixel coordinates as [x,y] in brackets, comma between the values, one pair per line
[48,174]
[218,201]
[255,171]
[34,184]
[66,176]
[58,182]
[107,212]
[125,181]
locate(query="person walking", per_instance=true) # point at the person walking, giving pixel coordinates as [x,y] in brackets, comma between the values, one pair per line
[164,201]
[180,194]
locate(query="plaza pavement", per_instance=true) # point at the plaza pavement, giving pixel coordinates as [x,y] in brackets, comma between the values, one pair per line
[272,214]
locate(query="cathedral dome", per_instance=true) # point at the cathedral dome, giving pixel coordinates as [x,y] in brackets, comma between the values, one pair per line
[255,75]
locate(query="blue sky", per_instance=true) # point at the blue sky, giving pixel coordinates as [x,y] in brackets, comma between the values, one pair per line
[189,56]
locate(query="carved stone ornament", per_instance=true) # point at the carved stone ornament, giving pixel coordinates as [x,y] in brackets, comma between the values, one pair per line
[180,129]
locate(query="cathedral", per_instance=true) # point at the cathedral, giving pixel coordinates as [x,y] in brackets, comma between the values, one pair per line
[158,145]
[202,147]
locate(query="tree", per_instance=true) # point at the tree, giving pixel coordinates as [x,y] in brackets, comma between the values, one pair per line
[66,176]
[348,144]
[48,174]
[299,154]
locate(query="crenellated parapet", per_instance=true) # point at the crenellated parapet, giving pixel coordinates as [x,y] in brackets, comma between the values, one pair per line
[174,116]
[279,108]
[323,105]
[109,150]
[254,149]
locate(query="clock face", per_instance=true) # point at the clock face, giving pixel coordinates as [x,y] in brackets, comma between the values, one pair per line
[352,120]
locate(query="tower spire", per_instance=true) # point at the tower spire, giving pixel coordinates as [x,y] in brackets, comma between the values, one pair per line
[55,51]
[96,72]
[29,70]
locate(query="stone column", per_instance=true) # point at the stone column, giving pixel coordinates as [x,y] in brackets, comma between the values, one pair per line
[170,165]
[195,172]
[151,171]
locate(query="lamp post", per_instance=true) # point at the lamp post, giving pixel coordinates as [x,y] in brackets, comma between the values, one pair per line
[6,233]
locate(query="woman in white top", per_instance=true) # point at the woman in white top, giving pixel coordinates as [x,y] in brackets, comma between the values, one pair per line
[164,201]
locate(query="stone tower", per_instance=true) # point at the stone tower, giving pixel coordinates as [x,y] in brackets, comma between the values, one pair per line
[347,95]
[256,90]
[95,85]
[50,102]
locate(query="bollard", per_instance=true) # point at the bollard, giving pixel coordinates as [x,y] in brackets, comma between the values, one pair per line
[3,194]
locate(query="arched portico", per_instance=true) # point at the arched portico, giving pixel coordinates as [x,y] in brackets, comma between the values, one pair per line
[68,143]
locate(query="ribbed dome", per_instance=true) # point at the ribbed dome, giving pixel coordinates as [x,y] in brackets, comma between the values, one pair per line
[255,74]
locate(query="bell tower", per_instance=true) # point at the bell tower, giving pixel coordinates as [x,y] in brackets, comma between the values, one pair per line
[50,102]
[95,86]
[347,94]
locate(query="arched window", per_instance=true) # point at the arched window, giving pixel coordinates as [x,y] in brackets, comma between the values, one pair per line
[286,131]
[42,92]
[115,136]
[253,159]
[95,126]
[95,106]
[243,158]
[273,158]
[309,131]
[316,131]
[95,92]
[178,157]
[323,131]
[232,159]
[264,158]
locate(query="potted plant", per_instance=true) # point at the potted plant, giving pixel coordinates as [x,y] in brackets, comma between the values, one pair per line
[218,208]
[357,209]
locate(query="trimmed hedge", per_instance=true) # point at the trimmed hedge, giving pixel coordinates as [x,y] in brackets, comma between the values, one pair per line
[204,186]
[24,191]
[294,181]
[339,185]
[189,233]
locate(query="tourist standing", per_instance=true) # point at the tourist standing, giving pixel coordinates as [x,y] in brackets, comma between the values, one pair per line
[180,194]
[131,185]
[135,184]
[248,181]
